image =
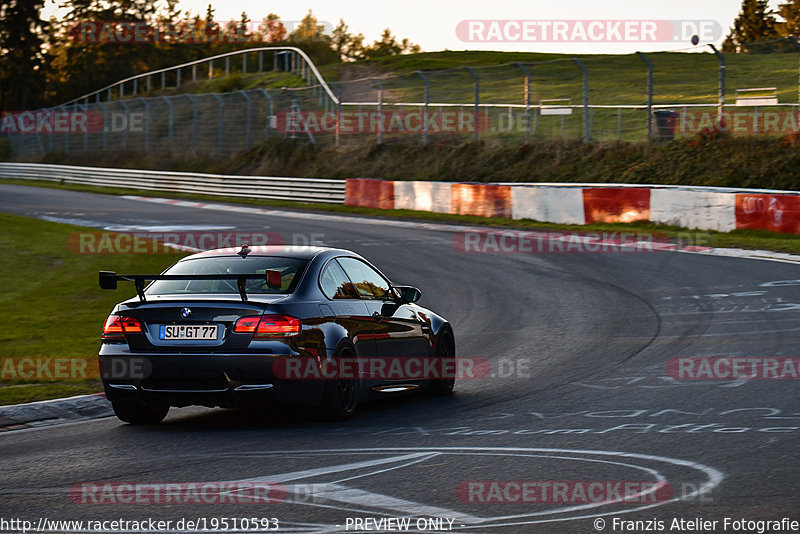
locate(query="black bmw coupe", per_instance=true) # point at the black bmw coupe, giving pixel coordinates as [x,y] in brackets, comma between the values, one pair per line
[242,326]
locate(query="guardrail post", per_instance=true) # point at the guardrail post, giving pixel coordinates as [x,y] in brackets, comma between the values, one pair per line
[378,85]
[169,131]
[244,63]
[649,94]
[210,69]
[526,99]
[721,99]
[587,134]
[178,77]
[121,90]
[477,102]
[221,120]
[260,61]
[147,123]
[135,86]
[227,65]
[148,84]
[247,121]
[194,73]
[425,119]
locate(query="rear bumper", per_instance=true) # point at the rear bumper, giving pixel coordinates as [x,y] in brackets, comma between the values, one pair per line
[226,380]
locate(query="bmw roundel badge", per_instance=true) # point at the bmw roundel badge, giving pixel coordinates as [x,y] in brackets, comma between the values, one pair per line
[186,313]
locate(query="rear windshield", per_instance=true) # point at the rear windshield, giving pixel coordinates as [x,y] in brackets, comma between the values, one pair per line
[290,269]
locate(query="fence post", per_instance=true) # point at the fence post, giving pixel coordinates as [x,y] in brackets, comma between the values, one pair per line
[85,131]
[127,124]
[649,94]
[338,91]
[477,102]
[247,121]
[425,119]
[105,124]
[586,131]
[147,123]
[210,69]
[379,86]
[148,84]
[526,100]
[721,59]
[227,65]
[797,48]
[244,63]
[178,77]
[194,120]
[169,131]
[269,112]
[296,109]
[260,61]
[163,79]
[194,73]
[221,120]
[135,86]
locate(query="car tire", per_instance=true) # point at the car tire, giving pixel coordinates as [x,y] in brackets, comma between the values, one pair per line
[444,349]
[340,397]
[137,413]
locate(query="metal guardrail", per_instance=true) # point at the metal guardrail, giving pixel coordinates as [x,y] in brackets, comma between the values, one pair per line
[306,66]
[266,187]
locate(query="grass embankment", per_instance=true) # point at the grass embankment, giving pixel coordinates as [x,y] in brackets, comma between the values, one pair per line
[703,160]
[52,306]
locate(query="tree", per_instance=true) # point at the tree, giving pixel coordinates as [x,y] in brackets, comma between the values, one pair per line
[349,47]
[309,30]
[754,23]
[271,29]
[790,13]
[23,62]
[388,46]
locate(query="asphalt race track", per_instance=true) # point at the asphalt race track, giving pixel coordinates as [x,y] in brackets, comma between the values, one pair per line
[579,391]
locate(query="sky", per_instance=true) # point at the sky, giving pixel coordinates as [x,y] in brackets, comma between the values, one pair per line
[432,24]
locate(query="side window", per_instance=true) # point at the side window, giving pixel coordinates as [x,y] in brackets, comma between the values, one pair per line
[369,283]
[334,283]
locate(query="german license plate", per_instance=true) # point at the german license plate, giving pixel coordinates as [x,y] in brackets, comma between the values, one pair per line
[203,331]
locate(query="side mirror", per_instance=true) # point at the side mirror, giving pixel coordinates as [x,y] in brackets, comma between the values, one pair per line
[407,294]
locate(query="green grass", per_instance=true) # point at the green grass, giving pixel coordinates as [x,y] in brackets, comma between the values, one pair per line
[51,303]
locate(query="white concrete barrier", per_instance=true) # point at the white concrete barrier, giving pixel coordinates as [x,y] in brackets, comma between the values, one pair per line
[562,205]
[693,209]
[423,196]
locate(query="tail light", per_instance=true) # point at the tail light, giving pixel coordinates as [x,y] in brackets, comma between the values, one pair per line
[117,326]
[268,326]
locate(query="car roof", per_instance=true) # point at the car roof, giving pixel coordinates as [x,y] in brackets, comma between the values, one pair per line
[284,251]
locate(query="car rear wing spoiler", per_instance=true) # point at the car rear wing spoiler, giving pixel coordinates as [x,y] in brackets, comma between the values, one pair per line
[109,279]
